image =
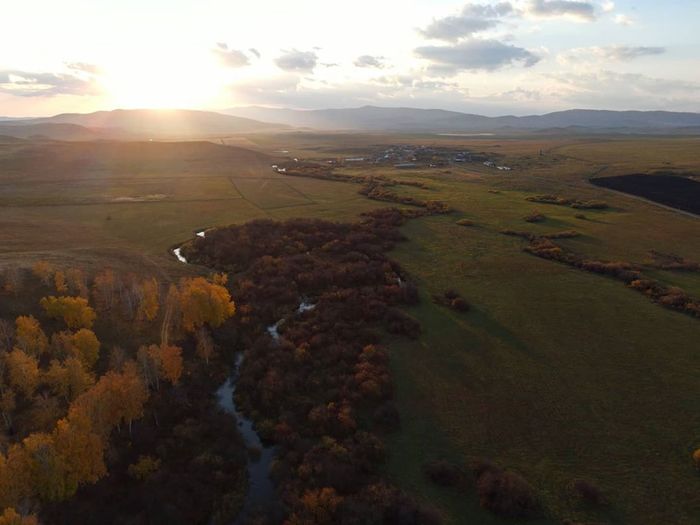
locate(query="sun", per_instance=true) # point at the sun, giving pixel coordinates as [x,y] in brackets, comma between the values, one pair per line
[161,86]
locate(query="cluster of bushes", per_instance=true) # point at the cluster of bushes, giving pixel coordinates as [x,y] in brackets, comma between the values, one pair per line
[452,299]
[375,188]
[669,297]
[77,416]
[503,492]
[321,391]
[672,262]
[573,203]
[565,234]
[535,216]
[465,222]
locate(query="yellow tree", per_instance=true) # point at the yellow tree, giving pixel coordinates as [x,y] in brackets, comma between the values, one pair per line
[171,363]
[150,300]
[11,517]
[43,271]
[203,302]
[70,379]
[22,371]
[29,337]
[74,311]
[82,452]
[46,467]
[77,282]
[86,347]
[59,279]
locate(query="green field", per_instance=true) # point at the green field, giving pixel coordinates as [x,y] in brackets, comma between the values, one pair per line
[556,373]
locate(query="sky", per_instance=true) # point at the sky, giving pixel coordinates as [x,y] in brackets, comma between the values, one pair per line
[487,57]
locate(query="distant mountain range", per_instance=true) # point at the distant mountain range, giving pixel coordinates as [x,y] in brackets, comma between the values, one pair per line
[133,124]
[140,124]
[372,118]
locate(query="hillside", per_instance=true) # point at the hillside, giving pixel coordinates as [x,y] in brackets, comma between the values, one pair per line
[372,118]
[134,123]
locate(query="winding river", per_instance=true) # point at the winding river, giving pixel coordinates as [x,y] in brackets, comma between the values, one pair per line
[261,491]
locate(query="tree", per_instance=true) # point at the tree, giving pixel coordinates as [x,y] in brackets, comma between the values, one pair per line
[86,347]
[171,363]
[143,468]
[77,282]
[10,517]
[203,303]
[74,311]
[59,279]
[43,271]
[82,451]
[70,379]
[23,372]
[7,334]
[150,297]
[205,344]
[7,406]
[46,467]
[104,288]
[29,336]
[14,280]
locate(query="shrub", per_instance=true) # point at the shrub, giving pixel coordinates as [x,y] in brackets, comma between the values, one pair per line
[535,216]
[465,222]
[696,458]
[587,492]
[505,493]
[443,473]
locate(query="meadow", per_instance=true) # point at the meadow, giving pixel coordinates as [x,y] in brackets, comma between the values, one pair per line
[555,373]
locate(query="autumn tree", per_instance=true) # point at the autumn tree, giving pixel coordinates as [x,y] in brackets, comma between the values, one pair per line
[22,371]
[29,337]
[143,468]
[43,271]
[82,344]
[7,406]
[149,300]
[77,283]
[70,379]
[13,280]
[11,517]
[171,363]
[7,334]
[74,311]
[104,289]
[205,344]
[203,302]
[59,279]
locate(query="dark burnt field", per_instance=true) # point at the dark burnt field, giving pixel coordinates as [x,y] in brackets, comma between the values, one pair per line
[679,192]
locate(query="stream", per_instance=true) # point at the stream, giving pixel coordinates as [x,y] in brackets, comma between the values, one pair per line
[261,491]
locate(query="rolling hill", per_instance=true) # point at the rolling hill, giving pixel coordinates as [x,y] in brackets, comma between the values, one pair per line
[372,118]
[134,123]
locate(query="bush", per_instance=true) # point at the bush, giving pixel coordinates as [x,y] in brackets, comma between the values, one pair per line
[387,417]
[465,222]
[535,216]
[587,492]
[443,473]
[505,493]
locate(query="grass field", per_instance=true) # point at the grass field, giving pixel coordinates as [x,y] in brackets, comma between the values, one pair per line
[556,373]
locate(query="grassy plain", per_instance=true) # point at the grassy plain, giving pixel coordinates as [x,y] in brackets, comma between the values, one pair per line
[556,373]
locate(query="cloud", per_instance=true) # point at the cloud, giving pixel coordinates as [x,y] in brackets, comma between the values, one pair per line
[474,18]
[254,52]
[616,53]
[230,57]
[580,10]
[83,67]
[608,6]
[609,89]
[477,54]
[624,20]
[370,61]
[28,84]
[295,60]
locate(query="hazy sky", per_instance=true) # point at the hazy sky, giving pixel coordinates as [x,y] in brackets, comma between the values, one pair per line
[518,56]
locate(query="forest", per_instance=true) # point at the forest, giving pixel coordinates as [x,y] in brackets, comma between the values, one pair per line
[103,394]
